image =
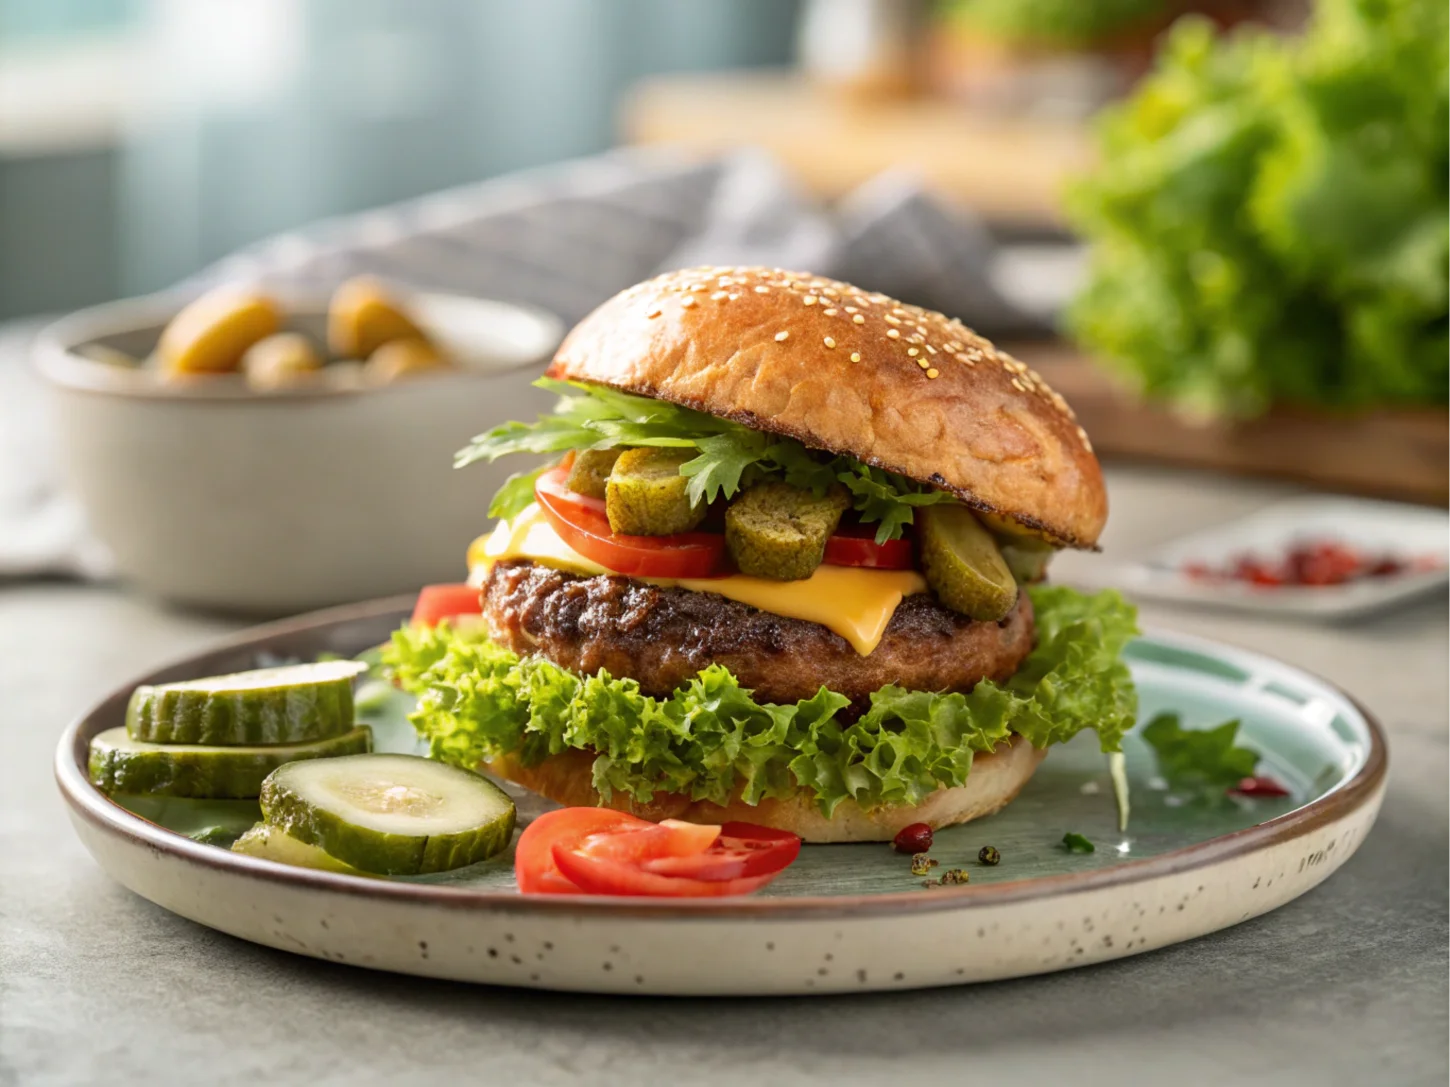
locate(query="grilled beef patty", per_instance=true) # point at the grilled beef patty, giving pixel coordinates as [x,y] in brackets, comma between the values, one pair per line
[661,637]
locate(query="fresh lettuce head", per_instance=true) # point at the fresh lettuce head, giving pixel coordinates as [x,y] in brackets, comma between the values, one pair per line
[710,739]
[1268,219]
[1063,23]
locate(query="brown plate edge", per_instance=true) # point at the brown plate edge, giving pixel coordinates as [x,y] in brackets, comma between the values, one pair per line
[91,804]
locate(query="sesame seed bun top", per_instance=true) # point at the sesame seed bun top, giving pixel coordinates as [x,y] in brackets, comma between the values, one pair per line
[844,370]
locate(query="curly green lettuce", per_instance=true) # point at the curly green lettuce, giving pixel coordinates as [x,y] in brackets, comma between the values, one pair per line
[1062,23]
[1268,224]
[477,700]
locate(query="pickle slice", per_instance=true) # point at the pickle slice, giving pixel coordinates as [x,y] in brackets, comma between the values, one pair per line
[647,496]
[271,844]
[778,531]
[398,360]
[288,705]
[211,334]
[363,316]
[962,564]
[281,361]
[590,471]
[391,814]
[1027,559]
[121,764]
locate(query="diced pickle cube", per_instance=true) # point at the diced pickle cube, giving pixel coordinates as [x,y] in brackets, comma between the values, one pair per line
[647,496]
[589,474]
[778,531]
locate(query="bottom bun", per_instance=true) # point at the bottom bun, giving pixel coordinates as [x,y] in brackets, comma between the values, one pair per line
[995,779]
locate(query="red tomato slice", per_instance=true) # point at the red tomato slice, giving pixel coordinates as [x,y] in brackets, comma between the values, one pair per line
[598,851]
[581,523]
[596,875]
[855,545]
[534,867]
[742,849]
[437,602]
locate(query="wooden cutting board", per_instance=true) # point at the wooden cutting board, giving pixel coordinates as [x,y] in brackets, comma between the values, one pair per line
[1399,453]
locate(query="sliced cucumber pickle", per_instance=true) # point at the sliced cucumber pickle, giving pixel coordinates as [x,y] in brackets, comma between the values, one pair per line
[589,473]
[391,814]
[778,531]
[1027,559]
[962,564]
[120,763]
[363,315]
[647,496]
[271,844]
[288,705]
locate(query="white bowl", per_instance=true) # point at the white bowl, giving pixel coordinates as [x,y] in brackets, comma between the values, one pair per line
[215,496]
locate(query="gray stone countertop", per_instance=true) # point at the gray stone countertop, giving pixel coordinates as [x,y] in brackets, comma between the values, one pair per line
[1345,985]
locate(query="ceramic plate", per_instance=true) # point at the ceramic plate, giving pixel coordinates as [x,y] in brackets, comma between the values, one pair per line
[843,918]
[1415,534]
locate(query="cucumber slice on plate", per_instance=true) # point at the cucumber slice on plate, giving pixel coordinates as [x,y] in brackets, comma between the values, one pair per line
[121,764]
[288,705]
[272,844]
[391,814]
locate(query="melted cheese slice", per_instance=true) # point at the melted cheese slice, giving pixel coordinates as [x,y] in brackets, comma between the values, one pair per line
[854,603]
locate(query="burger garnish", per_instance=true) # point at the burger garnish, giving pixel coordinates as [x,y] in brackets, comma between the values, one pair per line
[786,568]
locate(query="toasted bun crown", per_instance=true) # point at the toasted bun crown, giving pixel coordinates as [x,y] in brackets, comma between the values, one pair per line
[839,369]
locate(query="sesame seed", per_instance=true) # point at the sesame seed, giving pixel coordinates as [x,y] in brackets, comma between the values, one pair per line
[855,356]
[830,292]
[964,357]
[892,320]
[930,348]
[687,301]
[850,309]
[933,372]
[923,364]
[781,337]
[762,289]
[858,319]
[829,312]
[891,333]
[1018,385]
[718,296]
[732,296]
[829,342]
[811,300]
[912,351]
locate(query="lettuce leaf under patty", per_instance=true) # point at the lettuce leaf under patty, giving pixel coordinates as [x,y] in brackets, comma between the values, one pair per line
[477,700]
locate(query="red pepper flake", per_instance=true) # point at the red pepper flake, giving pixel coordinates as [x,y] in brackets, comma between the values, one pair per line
[913,839]
[1259,786]
[1308,563]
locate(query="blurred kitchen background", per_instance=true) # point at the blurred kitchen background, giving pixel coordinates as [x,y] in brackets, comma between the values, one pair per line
[1261,184]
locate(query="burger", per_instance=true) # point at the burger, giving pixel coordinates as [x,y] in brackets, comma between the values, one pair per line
[785,563]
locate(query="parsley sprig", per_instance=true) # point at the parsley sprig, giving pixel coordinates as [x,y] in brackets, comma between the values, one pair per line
[1203,760]
[730,456]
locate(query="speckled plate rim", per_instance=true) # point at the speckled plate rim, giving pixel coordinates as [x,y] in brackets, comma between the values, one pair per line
[1360,788]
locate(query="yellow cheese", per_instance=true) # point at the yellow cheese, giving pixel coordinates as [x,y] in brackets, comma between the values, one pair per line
[853,602]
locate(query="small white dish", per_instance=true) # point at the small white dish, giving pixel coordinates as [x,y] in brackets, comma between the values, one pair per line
[1393,529]
[213,495]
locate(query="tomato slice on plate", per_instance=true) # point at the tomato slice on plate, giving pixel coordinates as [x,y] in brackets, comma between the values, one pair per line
[597,851]
[534,866]
[855,545]
[581,523]
[437,602]
[742,849]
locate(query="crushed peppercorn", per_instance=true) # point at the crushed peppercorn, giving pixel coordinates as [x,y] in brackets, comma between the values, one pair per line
[922,865]
[989,855]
